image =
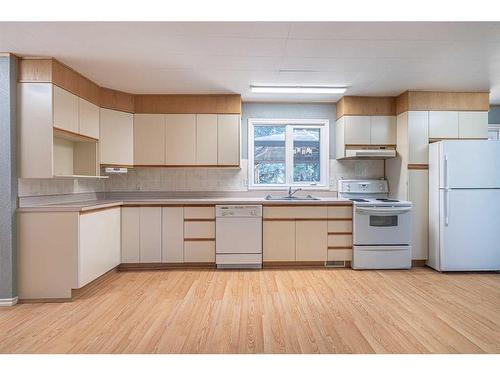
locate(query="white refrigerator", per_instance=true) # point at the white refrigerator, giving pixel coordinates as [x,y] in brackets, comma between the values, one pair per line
[464,205]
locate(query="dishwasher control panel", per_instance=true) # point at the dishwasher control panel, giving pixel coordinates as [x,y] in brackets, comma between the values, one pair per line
[238,211]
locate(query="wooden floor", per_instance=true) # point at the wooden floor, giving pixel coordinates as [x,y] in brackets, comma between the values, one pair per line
[266,311]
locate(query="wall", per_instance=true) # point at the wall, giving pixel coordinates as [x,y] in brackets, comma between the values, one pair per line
[8,177]
[494,115]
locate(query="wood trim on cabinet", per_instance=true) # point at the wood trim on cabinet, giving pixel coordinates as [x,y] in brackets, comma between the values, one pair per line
[72,81]
[295,204]
[294,219]
[64,132]
[432,140]
[442,101]
[35,70]
[117,165]
[339,248]
[116,100]
[418,166]
[91,211]
[333,233]
[202,220]
[340,219]
[196,104]
[186,166]
[199,239]
[366,106]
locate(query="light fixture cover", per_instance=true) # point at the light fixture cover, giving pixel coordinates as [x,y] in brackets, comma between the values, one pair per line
[298,89]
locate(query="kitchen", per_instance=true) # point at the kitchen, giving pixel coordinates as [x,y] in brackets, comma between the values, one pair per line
[162,214]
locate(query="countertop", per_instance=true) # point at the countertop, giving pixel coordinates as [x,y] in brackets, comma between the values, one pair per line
[107,203]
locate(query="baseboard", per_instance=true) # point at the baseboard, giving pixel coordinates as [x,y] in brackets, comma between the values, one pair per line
[77,293]
[164,266]
[418,262]
[319,264]
[6,302]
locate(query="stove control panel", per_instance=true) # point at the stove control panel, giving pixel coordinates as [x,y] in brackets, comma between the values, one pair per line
[363,186]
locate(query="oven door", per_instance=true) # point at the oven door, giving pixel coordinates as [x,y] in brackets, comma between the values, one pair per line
[382,225]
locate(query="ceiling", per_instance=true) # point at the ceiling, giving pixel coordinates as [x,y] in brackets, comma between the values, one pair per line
[383,58]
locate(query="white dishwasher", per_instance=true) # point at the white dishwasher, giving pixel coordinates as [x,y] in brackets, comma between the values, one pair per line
[238,236]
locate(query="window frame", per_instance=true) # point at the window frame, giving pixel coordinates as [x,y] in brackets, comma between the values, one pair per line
[322,124]
[494,128]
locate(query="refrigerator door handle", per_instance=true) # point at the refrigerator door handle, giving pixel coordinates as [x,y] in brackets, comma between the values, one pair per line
[446,191]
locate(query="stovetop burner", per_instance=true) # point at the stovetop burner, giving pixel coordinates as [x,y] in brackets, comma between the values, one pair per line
[358,200]
[387,200]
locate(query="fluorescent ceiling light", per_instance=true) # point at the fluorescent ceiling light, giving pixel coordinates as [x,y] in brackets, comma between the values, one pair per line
[298,89]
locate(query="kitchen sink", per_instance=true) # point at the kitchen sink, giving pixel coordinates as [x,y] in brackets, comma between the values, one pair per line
[287,198]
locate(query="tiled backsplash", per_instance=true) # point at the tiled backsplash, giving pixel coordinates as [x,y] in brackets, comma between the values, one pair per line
[185,179]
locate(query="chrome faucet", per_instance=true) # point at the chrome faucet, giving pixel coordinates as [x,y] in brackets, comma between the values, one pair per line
[291,193]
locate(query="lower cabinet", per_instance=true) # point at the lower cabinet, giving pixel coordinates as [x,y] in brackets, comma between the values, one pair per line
[202,251]
[418,194]
[279,241]
[142,235]
[310,240]
[172,250]
[307,233]
[62,251]
[99,247]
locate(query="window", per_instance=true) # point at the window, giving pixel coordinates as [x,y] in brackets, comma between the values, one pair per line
[288,152]
[494,132]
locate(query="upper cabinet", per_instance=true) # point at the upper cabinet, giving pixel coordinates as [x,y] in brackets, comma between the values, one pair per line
[362,131]
[172,140]
[473,125]
[149,139]
[50,141]
[228,140]
[181,139]
[206,139]
[88,118]
[383,130]
[357,130]
[117,137]
[65,106]
[443,124]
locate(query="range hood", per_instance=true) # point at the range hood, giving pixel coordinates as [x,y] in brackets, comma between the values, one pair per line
[369,153]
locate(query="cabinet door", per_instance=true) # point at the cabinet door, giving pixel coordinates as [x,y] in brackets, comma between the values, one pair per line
[228,140]
[339,138]
[443,124]
[181,140]
[172,235]
[149,139]
[130,235]
[65,110]
[206,139]
[199,251]
[99,249]
[311,240]
[279,241]
[88,119]
[473,125]
[357,130]
[418,137]
[383,130]
[418,194]
[150,235]
[117,137]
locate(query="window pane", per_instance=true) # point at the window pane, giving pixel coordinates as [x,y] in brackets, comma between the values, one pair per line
[269,155]
[306,155]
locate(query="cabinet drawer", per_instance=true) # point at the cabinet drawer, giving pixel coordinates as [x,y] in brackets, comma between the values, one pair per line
[295,212]
[339,254]
[340,212]
[199,251]
[340,240]
[199,229]
[197,212]
[340,226]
